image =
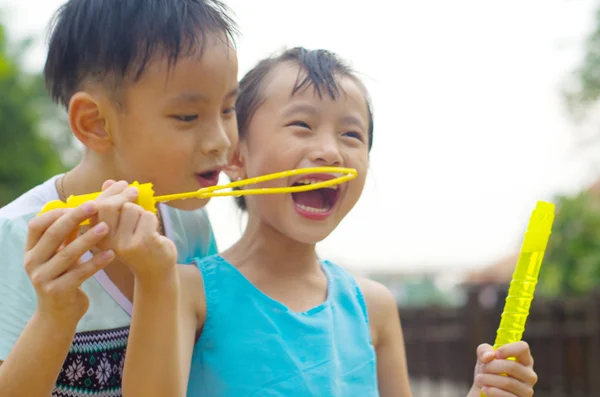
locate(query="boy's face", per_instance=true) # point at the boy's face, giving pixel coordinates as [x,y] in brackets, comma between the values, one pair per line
[177,127]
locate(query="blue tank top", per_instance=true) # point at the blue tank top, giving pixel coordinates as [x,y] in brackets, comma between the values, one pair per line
[252,345]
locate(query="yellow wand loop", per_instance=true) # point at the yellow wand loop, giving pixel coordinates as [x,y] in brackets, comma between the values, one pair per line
[148,201]
[525,276]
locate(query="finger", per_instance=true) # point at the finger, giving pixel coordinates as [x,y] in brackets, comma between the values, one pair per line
[60,230]
[38,226]
[130,216]
[148,222]
[500,386]
[113,190]
[519,350]
[511,368]
[485,353]
[108,183]
[494,392]
[78,274]
[71,237]
[70,254]
[109,209]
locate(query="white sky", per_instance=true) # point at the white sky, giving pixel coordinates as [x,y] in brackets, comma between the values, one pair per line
[469,125]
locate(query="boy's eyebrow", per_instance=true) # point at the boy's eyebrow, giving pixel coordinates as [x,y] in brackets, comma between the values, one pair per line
[233,93]
[195,97]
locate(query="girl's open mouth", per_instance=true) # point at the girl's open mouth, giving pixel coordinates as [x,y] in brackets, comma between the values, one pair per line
[315,204]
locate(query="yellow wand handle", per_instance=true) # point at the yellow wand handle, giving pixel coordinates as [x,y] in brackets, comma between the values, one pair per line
[145,199]
[525,277]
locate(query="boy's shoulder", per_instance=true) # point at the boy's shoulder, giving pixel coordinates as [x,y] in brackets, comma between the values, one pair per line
[191,231]
[30,203]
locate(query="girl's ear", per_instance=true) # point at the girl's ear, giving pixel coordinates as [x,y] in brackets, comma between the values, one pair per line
[236,170]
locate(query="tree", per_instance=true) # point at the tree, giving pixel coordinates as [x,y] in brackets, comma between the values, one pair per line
[583,89]
[572,260]
[27,157]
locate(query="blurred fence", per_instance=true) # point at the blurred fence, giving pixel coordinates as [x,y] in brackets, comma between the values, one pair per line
[564,336]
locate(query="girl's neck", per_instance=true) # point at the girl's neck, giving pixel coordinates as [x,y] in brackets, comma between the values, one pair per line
[261,246]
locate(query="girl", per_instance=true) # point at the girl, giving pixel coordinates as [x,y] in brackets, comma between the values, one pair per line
[269,317]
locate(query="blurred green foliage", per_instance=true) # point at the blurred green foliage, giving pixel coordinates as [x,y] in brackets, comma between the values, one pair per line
[27,157]
[572,261]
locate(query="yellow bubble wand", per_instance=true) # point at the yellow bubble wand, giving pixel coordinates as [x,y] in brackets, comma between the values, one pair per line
[148,200]
[525,276]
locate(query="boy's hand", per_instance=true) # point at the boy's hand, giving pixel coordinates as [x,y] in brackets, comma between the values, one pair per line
[52,260]
[492,365]
[134,235]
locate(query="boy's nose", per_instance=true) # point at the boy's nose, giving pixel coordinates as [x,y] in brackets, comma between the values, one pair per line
[215,142]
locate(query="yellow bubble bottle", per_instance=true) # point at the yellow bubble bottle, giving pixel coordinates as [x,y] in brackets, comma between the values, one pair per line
[525,276]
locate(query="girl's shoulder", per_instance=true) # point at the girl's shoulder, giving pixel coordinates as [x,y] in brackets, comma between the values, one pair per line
[192,296]
[381,306]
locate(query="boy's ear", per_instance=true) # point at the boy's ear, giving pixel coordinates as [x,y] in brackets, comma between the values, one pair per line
[236,170]
[88,122]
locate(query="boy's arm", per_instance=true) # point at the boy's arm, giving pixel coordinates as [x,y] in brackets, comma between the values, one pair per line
[34,353]
[388,340]
[34,363]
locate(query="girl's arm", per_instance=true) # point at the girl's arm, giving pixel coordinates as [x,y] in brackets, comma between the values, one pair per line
[388,340]
[161,339]
[164,317]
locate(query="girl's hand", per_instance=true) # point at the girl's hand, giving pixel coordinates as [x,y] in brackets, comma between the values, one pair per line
[493,365]
[137,243]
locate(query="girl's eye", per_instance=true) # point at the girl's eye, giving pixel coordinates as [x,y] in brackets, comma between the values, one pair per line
[186,118]
[354,134]
[299,124]
[229,110]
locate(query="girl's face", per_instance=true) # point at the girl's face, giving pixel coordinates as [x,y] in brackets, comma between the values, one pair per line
[299,131]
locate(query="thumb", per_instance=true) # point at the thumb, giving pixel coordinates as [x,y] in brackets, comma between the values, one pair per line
[485,353]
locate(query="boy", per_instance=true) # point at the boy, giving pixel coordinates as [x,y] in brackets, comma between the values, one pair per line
[150,89]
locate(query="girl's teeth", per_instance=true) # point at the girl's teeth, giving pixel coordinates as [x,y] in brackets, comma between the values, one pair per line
[311,209]
[311,181]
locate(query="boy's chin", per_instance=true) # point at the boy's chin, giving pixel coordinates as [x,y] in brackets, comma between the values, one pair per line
[189,204]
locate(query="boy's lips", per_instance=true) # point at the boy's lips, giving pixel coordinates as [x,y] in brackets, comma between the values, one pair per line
[208,178]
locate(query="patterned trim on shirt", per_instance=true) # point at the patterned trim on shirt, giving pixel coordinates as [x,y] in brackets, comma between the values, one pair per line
[94,365]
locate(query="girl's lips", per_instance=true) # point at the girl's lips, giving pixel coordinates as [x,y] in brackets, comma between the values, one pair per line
[314,216]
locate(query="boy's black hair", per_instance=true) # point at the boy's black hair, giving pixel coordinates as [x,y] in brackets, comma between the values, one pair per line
[111,40]
[320,69]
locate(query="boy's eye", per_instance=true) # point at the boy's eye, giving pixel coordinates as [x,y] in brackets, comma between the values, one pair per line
[299,124]
[186,117]
[354,134]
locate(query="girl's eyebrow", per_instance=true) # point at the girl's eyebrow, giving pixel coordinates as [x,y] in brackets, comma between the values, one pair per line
[353,120]
[300,108]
